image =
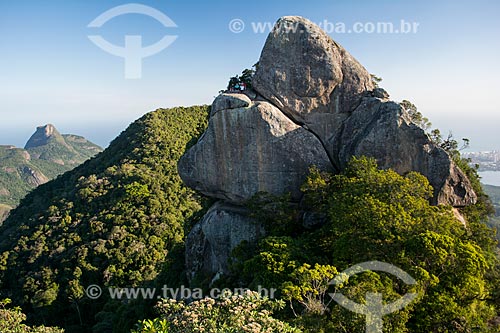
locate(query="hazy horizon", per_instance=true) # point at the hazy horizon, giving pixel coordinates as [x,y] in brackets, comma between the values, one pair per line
[53,73]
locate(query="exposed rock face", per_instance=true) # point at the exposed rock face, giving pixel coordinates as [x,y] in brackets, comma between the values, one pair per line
[4,212]
[250,150]
[33,177]
[41,136]
[382,129]
[229,101]
[316,82]
[314,105]
[309,77]
[211,241]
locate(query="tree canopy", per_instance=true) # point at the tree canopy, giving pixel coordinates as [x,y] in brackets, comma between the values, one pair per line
[366,214]
[111,222]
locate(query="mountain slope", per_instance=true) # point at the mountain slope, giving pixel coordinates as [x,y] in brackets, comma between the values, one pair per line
[110,222]
[46,155]
[494,193]
[18,175]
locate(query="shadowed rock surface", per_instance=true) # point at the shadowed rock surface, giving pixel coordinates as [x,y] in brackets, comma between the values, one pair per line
[33,177]
[249,150]
[382,129]
[211,241]
[316,82]
[314,105]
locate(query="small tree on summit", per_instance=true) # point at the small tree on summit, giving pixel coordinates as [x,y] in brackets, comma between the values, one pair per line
[244,80]
[247,76]
[450,144]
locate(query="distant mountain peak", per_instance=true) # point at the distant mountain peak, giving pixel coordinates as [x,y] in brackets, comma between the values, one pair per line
[46,155]
[42,136]
[49,128]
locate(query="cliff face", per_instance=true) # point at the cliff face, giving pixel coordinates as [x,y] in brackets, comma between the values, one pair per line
[42,136]
[315,105]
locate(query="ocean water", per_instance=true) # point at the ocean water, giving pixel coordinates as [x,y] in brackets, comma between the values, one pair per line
[490,177]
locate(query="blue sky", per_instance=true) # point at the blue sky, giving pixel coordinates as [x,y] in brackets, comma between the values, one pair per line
[50,72]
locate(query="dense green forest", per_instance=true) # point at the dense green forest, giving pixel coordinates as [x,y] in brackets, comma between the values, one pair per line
[363,214]
[113,221]
[120,219]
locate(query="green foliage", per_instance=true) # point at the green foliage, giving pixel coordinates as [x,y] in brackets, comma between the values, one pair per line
[228,314]
[11,321]
[111,222]
[449,144]
[69,150]
[275,213]
[493,193]
[416,116]
[375,80]
[373,214]
[22,167]
[245,77]
[156,325]
[309,286]
[15,175]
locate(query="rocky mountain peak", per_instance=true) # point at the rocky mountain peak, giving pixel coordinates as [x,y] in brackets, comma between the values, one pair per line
[46,155]
[306,74]
[42,136]
[315,105]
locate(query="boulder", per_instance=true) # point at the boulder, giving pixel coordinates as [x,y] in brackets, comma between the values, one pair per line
[249,150]
[229,101]
[383,130]
[211,241]
[314,105]
[315,82]
[309,77]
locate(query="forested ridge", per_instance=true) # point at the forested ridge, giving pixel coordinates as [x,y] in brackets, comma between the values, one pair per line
[120,220]
[111,222]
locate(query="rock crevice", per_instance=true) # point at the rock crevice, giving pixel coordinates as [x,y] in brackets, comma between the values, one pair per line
[314,105]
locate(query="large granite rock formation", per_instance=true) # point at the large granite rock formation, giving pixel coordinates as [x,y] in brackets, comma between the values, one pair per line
[314,105]
[309,77]
[316,82]
[382,129]
[251,149]
[41,136]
